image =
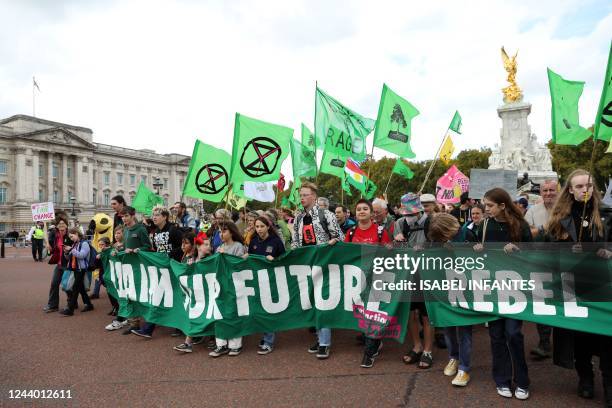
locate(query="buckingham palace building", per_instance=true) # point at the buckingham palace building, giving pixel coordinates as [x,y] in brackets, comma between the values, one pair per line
[42,161]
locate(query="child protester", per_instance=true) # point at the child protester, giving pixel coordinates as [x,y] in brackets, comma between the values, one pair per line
[266,242]
[201,242]
[233,244]
[443,229]
[367,232]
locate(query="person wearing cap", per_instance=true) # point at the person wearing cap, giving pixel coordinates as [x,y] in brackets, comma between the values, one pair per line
[411,226]
[522,204]
[463,213]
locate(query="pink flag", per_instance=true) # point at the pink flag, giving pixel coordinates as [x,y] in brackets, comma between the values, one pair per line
[451,185]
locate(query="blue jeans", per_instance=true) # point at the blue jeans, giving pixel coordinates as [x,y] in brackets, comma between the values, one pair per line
[149,328]
[97,285]
[460,349]
[269,339]
[508,349]
[324,336]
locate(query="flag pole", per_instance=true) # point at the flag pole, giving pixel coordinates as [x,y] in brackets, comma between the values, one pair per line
[388,182]
[433,162]
[586,195]
[315,135]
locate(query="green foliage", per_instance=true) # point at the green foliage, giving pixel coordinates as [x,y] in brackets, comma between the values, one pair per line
[565,159]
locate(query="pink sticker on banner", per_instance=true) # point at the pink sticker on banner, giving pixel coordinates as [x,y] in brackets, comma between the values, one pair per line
[451,185]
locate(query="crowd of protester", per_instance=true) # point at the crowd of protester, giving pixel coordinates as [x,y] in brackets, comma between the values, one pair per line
[419,222]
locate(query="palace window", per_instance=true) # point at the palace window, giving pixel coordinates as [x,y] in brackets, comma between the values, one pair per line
[106,199]
[3,166]
[3,195]
[107,178]
[120,179]
[132,179]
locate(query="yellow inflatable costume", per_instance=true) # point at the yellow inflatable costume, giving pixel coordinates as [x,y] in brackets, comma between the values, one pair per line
[104,228]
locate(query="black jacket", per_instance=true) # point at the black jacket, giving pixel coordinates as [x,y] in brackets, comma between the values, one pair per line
[563,339]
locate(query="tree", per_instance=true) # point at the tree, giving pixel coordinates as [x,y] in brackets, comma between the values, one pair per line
[565,159]
[398,116]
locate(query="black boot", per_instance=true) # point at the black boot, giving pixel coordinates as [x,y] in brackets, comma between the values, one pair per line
[586,388]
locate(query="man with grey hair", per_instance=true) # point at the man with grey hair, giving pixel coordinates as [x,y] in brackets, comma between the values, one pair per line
[323,203]
[382,216]
[537,217]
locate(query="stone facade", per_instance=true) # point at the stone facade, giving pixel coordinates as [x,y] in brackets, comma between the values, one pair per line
[519,149]
[41,161]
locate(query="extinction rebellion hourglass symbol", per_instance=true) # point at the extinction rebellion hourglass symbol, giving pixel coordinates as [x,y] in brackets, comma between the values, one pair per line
[262,157]
[211,179]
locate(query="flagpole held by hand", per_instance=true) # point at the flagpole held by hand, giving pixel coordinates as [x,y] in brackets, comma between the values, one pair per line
[433,162]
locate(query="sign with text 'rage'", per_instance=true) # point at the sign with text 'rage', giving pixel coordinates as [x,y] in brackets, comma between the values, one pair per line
[43,211]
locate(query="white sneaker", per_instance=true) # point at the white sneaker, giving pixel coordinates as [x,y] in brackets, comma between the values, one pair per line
[521,393]
[116,325]
[504,392]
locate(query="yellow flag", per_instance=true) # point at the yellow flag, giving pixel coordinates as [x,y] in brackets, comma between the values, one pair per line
[235,201]
[447,150]
[609,148]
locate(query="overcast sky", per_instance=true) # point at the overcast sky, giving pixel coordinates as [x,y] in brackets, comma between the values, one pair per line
[158,74]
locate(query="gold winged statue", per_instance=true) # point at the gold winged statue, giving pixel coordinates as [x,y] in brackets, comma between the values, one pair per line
[512,93]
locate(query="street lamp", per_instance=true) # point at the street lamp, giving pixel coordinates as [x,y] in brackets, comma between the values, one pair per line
[158,184]
[73,202]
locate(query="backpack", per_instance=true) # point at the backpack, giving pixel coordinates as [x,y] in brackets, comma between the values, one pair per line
[380,229]
[91,260]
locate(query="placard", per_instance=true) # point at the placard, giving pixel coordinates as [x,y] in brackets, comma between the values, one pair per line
[43,211]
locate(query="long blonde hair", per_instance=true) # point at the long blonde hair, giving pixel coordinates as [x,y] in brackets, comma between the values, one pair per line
[563,208]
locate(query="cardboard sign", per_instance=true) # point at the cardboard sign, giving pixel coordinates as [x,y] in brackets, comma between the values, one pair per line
[43,211]
[483,180]
[451,185]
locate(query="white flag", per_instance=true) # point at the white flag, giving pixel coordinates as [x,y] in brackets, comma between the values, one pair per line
[260,191]
[35,84]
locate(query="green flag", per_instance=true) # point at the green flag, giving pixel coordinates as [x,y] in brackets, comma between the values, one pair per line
[338,129]
[566,129]
[294,196]
[145,200]
[332,164]
[302,160]
[370,189]
[208,174]
[455,124]
[393,125]
[603,121]
[259,149]
[285,202]
[308,139]
[403,170]
[346,186]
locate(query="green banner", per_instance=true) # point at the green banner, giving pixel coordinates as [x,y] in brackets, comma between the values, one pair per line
[554,287]
[363,287]
[232,297]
